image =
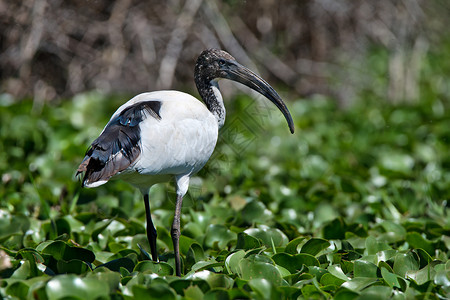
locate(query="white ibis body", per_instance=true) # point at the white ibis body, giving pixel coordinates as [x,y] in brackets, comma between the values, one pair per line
[161,135]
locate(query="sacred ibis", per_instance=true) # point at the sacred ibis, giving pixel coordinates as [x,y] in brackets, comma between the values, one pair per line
[161,135]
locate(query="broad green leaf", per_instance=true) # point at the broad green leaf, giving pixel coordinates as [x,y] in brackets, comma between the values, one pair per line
[383,264]
[232,261]
[154,291]
[312,291]
[269,236]
[193,292]
[336,271]
[24,271]
[160,268]
[262,287]
[291,247]
[393,280]
[218,236]
[185,244]
[18,289]
[373,246]
[443,278]
[359,283]
[424,257]
[335,229]
[213,279]
[317,272]
[246,242]
[74,266]
[329,279]
[255,212]
[203,265]
[74,286]
[423,275]
[386,255]
[293,263]
[111,278]
[314,246]
[217,293]
[345,294]
[415,240]
[194,254]
[404,263]
[34,258]
[364,268]
[60,250]
[116,264]
[376,292]
[251,269]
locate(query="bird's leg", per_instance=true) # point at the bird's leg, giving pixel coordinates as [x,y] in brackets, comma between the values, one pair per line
[176,232]
[151,230]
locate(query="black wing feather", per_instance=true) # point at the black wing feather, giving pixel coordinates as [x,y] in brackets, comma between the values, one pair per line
[119,144]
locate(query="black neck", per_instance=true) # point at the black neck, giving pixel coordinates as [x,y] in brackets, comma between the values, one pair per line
[210,94]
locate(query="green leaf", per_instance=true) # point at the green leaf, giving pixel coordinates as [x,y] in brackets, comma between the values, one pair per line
[204,265]
[74,266]
[214,280]
[160,268]
[423,275]
[345,294]
[18,289]
[376,292]
[373,246]
[60,250]
[217,293]
[364,268]
[218,236]
[359,283]
[335,229]
[291,247]
[194,254]
[116,264]
[251,268]
[314,246]
[185,244]
[154,291]
[424,257]
[293,263]
[383,264]
[329,279]
[269,236]
[396,231]
[262,287]
[76,287]
[193,292]
[246,242]
[393,280]
[415,240]
[255,212]
[317,272]
[24,271]
[336,271]
[112,279]
[232,261]
[404,262]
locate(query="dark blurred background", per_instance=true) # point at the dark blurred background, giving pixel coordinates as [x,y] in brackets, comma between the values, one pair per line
[53,49]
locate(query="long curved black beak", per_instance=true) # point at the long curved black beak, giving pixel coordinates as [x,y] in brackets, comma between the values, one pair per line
[237,72]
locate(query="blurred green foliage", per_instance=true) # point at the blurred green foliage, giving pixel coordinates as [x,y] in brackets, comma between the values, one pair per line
[354,205]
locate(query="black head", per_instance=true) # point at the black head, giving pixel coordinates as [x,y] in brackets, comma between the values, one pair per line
[213,64]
